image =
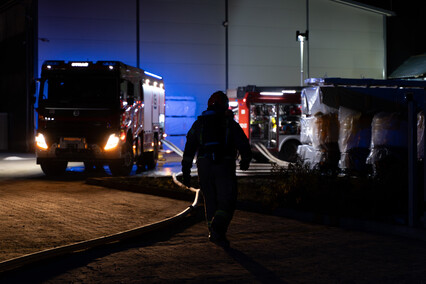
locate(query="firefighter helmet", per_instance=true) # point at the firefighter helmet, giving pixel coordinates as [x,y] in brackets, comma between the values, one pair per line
[218,101]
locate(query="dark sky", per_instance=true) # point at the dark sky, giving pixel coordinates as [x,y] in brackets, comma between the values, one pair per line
[405,30]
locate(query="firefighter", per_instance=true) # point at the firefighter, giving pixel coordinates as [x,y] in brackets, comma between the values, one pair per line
[217,139]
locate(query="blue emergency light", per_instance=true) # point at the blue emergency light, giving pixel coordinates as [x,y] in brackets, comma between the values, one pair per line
[79,64]
[109,63]
[153,75]
[54,62]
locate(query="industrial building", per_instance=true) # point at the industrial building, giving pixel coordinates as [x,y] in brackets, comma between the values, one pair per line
[198,46]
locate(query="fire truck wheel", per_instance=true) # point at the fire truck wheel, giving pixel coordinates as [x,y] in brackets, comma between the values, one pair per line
[152,157]
[124,166]
[139,154]
[53,168]
[138,143]
[288,151]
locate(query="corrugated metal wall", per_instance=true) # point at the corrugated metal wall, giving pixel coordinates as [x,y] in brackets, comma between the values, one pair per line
[262,44]
[184,40]
[345,41]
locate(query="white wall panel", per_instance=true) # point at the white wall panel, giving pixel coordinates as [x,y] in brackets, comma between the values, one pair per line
[345,41]
[262,44]
[184,40]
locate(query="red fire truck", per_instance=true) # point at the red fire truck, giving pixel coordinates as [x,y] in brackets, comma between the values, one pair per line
[99,113]
[271,116]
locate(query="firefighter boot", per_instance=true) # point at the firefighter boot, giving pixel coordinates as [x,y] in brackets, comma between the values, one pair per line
[218,230]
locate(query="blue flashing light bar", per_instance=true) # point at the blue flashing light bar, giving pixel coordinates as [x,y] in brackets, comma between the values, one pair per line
[153,75]
[53,62]
[109,63]
[79,64]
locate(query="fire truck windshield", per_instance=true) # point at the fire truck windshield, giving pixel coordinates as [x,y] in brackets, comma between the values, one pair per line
[79,90]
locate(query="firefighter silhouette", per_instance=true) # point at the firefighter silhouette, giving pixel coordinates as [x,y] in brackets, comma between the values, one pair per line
[217,140]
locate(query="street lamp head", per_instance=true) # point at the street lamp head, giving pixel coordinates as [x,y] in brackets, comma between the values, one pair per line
[302,36]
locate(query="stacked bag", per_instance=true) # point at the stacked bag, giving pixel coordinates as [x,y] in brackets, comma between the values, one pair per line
[319,132]
[351,141]
[354,141]
[388,143]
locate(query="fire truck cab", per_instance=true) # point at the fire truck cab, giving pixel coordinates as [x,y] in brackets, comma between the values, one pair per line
[99,113]
[271,116]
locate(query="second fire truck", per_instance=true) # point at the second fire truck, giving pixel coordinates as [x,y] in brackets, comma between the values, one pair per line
[271,116]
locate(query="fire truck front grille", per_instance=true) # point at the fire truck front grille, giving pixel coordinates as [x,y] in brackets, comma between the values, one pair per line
[93,133]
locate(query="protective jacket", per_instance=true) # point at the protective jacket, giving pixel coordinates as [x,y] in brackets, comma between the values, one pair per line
[216,136]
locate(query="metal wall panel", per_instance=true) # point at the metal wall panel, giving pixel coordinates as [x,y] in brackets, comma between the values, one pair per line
[262,44]
[345,41]
[184,41]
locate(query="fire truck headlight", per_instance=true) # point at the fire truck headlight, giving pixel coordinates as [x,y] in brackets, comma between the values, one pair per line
[112,142]
[41,142]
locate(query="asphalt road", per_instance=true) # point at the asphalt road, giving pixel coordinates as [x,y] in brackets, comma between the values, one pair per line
[23,165]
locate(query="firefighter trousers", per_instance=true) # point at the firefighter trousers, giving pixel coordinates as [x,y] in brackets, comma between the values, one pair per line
[218,183]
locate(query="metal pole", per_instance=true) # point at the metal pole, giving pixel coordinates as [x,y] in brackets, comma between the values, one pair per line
[385,55]
[225,24]
[137,36]
[301,61]
[302,37]
[35,65]
[307,42]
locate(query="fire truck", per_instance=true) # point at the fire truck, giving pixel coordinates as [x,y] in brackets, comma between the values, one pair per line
[100,113]
[271,116]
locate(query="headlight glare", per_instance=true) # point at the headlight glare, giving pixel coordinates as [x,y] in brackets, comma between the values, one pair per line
[112,142]
[41,142]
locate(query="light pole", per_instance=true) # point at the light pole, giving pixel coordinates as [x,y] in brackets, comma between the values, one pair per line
[302,37]
[225,24]
[137,35]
